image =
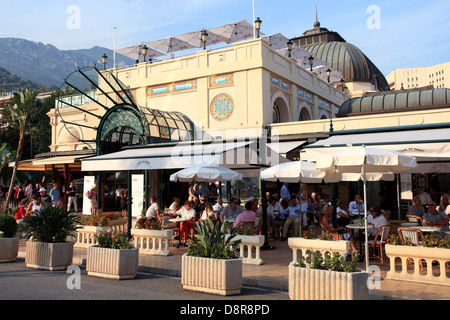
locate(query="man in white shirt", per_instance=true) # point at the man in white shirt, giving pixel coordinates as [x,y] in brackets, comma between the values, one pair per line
[186,212]
[153,213]
[218,207]
[425,196]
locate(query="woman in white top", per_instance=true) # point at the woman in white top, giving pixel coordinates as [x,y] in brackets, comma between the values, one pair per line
[376,219]
[35,207]
[208,213]
[444,205]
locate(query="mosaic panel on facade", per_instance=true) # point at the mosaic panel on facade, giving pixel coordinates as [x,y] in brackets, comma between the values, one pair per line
[222,107]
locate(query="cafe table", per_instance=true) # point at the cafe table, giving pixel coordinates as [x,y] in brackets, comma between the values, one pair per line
[355,227]
[178,220]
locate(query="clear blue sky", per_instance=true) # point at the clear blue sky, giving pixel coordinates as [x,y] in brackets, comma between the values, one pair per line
[408,34]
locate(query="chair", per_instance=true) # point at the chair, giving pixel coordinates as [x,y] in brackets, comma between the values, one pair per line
[383,233]
[414,235]
[417,219]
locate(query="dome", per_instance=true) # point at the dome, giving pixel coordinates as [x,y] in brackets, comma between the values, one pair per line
[393,102]
[350,61]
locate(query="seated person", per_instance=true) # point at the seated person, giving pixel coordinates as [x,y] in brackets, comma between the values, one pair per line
[336,233]
[186,212]
[246,216]
[295,217]
[356,207]
[342,216]
[416,209]
[21,211]
[208,213]
[377,220]
[231,211]
[436,219]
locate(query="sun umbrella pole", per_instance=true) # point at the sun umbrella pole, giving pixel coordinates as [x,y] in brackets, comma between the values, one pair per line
[365,214]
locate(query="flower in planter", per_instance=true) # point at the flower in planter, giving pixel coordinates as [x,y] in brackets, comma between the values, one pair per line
[308,234]
[114,240]
[250,231]
[99,221]
[394,240]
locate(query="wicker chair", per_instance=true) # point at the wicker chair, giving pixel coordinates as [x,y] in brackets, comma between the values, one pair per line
[383,235]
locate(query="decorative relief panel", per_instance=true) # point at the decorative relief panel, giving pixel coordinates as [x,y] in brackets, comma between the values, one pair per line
[221,80]
[222,107]
[185,86]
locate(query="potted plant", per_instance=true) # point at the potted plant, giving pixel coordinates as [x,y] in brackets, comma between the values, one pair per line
[150,238]
[210,265]
[46,233]
[113,258]
[9,243]
[327,277]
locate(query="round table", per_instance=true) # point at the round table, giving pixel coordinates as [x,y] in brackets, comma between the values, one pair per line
[356,226]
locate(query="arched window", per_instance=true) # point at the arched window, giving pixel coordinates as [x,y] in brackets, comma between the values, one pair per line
[276,114]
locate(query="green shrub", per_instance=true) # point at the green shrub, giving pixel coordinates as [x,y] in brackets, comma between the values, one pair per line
[8,226]
[213,241]
[52,225]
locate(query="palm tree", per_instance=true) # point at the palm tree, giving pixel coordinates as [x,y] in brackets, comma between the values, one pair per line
[24,105]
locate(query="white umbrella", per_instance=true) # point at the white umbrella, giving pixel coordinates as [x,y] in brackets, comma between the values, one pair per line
[169,45]
[233,32]
[205,174]
[134,52]
[195,38]
[278,41]
[306,172]
[365,160]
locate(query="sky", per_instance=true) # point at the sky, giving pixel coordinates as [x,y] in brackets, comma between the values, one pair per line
[393,34]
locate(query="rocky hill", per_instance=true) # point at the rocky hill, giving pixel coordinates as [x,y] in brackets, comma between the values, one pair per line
[47,65]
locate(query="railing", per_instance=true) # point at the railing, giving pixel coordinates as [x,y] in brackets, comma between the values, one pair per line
[152,242]
[419,264]
[306,246]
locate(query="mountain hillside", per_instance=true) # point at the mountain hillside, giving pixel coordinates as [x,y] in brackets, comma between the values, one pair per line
[45,64]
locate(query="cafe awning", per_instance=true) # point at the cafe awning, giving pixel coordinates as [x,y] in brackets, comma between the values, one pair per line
[233,155]
[40,164]
[431,147]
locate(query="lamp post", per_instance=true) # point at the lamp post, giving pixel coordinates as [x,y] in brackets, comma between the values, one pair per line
[328,74]
[104,60]
[144,51]
[289,45]
[258,22]
[204,38]
[311,62]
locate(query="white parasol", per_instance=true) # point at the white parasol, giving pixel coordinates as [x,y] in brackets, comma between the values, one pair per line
[365,160]
[135,52]
[205,174]
[169,45]
[233,32]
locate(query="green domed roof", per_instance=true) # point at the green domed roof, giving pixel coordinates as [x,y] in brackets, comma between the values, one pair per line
[392,102]
[350,61]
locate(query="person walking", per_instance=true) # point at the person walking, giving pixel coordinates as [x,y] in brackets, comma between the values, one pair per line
[72,197]
[54,193]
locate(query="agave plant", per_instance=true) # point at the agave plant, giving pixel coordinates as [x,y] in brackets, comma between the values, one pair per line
[52,225]
[214,241]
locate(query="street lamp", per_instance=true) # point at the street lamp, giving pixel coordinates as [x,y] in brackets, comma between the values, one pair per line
[328,74]
[204,38]
[258,26]
[144,51]
[104,60]
[289,45]
[311,62]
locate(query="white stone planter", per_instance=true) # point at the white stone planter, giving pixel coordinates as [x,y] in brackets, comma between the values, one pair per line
[85,236]
[112,263]
[221,277]
[9,248]
[153,242]
[310,284]
[250,243]
[49,256]
[310,245]
[409,254]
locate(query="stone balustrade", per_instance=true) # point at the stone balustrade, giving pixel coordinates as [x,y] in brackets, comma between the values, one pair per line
[420,260]
[85,235]
[248,243]
[306,246]
[153,242]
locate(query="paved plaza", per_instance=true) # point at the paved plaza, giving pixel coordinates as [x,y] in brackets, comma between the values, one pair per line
[274,273]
